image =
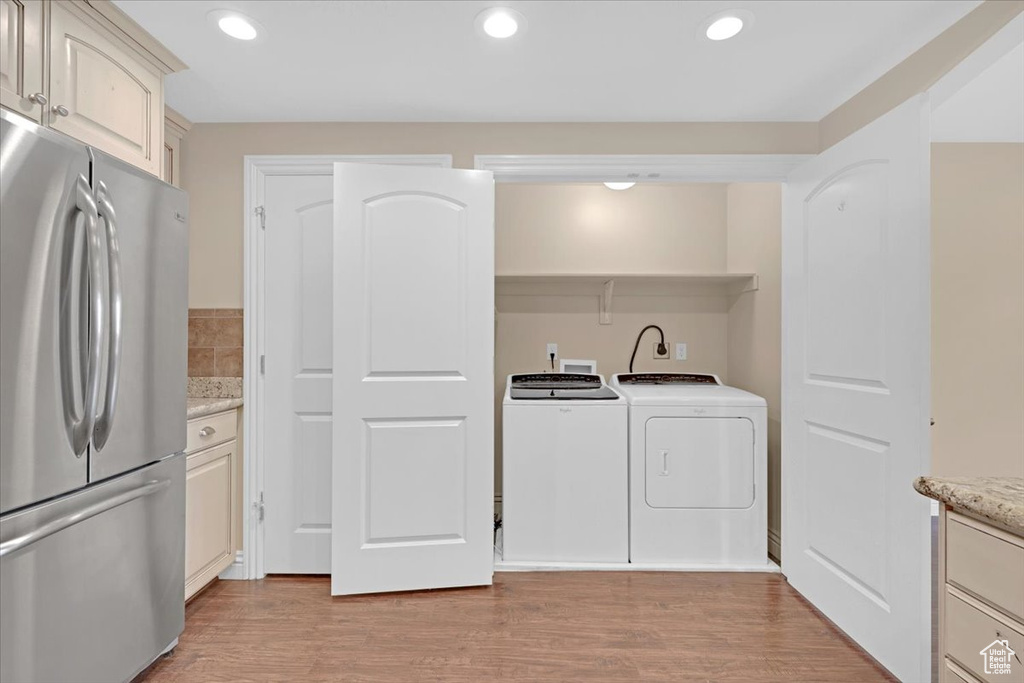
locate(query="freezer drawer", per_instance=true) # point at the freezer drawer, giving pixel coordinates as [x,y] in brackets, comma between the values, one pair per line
[92,584]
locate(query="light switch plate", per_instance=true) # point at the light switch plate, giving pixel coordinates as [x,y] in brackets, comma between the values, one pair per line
[680,350]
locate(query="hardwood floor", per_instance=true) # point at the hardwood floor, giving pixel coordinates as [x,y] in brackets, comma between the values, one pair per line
[594,626]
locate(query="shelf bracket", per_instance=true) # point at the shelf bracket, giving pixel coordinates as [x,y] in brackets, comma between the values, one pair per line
[606,303]
[751,285]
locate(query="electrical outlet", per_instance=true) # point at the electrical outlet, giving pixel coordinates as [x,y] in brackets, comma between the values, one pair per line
[680,350]
[660,356]
[552,349]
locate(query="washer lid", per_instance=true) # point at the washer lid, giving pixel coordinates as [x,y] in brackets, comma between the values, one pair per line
[559,386]
[650,391]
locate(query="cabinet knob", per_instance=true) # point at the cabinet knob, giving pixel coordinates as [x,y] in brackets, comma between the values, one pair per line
[59,110]
[207,431]
[38,98]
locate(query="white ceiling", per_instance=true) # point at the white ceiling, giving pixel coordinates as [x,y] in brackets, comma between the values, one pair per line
[637,60]
[988,109]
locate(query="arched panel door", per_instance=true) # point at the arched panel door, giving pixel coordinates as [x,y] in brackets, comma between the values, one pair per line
[856,343]
[413,445]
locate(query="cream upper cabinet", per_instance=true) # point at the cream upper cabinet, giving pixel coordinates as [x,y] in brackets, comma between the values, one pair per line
[101,93]
[176,127]
[21,57]
[83,67]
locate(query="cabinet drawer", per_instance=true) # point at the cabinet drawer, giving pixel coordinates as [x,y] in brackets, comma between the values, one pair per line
[951,673]
[211,430]
[209,482]
[969,630]
[986,563]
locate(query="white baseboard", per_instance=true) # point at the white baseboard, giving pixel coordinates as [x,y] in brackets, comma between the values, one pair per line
[500,565]
[235,570]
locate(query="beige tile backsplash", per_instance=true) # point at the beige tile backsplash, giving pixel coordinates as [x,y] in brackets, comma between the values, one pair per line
[215,342]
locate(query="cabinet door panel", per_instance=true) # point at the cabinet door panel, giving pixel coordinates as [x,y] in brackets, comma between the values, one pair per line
[208,510]
[114,100]
[21,55]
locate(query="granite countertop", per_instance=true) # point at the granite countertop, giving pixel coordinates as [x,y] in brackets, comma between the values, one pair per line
[200,407]
[999,499]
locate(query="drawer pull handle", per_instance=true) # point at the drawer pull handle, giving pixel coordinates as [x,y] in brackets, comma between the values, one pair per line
[207,431]
[1015,655]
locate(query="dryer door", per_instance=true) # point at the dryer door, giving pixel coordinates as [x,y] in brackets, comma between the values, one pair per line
[700,462]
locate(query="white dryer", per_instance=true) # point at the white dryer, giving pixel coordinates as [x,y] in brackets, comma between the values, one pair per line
[564,470]
[698,471]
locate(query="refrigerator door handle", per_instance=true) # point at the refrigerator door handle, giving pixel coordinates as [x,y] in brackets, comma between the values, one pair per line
[105,420]
[13,545]
[80,426]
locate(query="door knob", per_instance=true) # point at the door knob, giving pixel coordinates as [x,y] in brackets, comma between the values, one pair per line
[59,110]
[38,98]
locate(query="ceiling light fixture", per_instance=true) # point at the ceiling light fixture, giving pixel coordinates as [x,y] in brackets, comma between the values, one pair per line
[726,25]
[500,22]
[236,25]
[619,186]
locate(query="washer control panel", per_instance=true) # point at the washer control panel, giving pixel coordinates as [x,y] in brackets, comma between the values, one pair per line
[558,380]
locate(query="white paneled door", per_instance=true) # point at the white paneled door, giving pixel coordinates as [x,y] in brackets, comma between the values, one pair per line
[297,434]
[413,452]
[855,255]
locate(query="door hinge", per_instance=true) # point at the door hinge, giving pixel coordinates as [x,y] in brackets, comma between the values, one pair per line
[258,507]
[263,364]
[262,213]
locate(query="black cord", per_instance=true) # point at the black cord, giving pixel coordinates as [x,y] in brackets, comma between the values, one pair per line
[552,362]
[661,345]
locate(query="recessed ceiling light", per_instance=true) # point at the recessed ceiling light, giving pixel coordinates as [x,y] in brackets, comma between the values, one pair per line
[725,25]
[619,186]
[236,25]
[500,22]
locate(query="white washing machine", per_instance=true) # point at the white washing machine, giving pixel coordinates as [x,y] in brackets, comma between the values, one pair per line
[565,492]
[698,471]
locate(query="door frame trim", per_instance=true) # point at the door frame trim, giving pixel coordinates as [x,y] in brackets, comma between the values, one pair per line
[256,170]
[658,168]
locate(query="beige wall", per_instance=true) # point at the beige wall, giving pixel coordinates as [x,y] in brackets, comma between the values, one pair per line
[212,156]
[920,71]
[754,239]
[978,309]
[587,228]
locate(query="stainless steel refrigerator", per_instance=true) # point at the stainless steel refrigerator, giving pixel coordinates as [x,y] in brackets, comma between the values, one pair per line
[93,349]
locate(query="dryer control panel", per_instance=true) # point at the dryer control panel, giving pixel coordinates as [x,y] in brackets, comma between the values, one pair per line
[668,378]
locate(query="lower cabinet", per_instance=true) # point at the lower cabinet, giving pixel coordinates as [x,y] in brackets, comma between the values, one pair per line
[209,506]
[981,607]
